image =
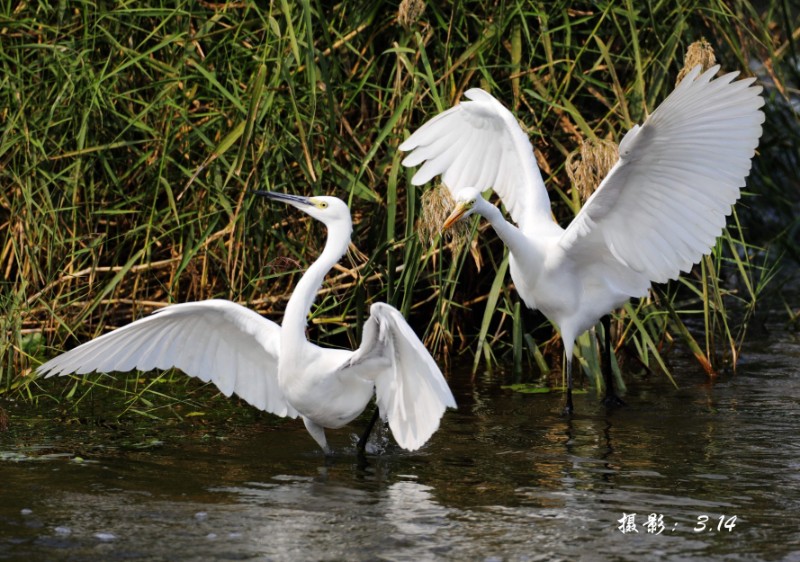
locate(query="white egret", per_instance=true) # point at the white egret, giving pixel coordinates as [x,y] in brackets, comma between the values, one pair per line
[275,368]
[659,209]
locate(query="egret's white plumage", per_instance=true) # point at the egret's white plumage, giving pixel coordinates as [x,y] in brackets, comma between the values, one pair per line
[275,368]
[658,210]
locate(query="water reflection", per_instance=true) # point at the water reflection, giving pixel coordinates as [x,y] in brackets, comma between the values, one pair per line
[326,519]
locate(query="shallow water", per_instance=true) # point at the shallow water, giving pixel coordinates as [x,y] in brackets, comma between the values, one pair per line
[505,478]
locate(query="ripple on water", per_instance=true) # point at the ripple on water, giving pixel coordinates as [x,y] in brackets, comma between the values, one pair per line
[505,478]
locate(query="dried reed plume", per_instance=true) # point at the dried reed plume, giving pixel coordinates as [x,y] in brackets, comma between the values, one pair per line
[589,164]
[409,12]
[437,204]
[700,52]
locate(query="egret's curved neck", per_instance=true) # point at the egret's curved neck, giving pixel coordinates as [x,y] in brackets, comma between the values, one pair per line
[519,244]
[293,329]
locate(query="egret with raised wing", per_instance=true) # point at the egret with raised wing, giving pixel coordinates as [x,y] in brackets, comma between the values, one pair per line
[659,209]
[275,368]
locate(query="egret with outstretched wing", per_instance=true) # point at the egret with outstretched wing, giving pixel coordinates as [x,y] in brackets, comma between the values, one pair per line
[275,368]
[659,209]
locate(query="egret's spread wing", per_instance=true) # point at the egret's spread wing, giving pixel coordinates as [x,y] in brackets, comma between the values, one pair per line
[664,203]
[411,391]
[214,340]
[479,144]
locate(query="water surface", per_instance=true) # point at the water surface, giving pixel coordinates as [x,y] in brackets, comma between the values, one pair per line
[710,471]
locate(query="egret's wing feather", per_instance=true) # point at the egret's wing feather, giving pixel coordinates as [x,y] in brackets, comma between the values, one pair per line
[479,144]
[664,203]
[215,340]
[411,391]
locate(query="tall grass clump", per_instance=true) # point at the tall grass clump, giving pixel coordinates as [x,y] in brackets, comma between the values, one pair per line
[132,133]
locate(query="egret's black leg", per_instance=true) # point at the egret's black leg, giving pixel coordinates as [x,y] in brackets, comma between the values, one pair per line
[611,399]
[362,443]
[568,409]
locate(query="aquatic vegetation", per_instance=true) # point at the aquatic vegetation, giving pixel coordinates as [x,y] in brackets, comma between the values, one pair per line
[131,136]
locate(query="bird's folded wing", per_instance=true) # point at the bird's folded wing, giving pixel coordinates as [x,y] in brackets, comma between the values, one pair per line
[411,391]
[479,144]
[664,203]
[214,340]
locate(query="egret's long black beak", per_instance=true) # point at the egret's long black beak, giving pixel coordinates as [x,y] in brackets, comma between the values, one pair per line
[296,200]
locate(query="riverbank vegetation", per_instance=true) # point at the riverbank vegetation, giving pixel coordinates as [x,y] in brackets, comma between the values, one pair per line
[133,132]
